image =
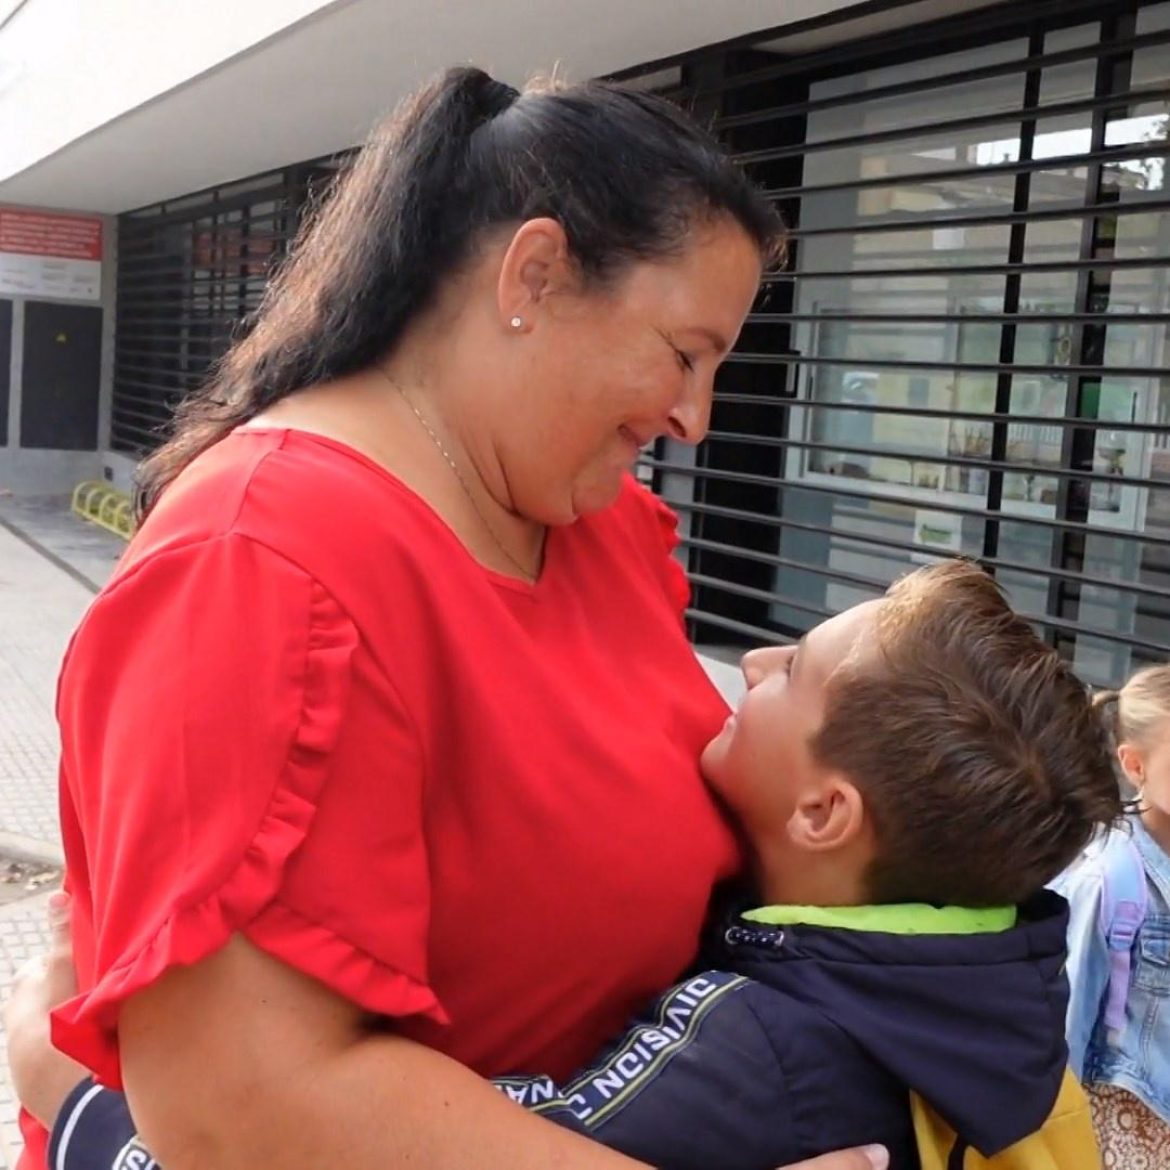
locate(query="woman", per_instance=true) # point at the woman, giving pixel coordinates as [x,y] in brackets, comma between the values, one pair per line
[388,712]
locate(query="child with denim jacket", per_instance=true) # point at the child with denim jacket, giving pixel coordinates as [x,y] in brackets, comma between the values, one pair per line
[1123,1055]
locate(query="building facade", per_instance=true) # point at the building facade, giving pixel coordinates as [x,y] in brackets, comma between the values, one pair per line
[964,353]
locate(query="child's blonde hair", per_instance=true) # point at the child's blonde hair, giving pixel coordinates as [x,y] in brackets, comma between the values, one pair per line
[1140,711]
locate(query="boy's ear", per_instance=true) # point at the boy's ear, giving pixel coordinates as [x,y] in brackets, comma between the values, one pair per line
[828,817]
[1132,764]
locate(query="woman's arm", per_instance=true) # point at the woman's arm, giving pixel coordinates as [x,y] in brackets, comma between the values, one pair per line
[42,1076]
[244,1061]
[240,1061]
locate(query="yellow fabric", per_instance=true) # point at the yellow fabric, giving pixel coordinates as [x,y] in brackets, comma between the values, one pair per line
[1066,1141]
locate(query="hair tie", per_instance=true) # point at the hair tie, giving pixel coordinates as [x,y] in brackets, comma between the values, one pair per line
[498,97]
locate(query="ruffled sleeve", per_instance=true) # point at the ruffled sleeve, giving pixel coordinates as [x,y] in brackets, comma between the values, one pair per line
[201,706]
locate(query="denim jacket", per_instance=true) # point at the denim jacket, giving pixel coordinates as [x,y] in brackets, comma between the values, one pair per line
[1140,1063]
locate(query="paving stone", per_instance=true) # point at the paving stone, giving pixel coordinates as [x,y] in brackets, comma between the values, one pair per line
[24,933]
[49,569]
[39,607]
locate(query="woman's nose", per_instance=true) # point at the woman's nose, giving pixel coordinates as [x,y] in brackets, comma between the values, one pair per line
[691,416]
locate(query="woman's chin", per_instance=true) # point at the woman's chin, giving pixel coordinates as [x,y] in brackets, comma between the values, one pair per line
[597,494]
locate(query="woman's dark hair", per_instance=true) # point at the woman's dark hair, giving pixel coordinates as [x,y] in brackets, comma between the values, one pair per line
[626,175]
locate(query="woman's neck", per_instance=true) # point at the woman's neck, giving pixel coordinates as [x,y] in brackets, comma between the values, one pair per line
[376,416]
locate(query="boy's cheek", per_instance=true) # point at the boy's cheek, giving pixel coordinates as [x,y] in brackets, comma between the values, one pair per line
[726,763]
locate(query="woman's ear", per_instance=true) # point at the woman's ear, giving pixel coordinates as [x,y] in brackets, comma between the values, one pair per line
[536,264]
[1132,764]
[827,818]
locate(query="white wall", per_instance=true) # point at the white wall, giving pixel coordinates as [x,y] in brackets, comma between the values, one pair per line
[116,104]
[118,470]
[49,472]
[69,66]
[726,677]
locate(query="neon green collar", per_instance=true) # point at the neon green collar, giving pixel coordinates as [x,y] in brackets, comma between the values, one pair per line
[907,918]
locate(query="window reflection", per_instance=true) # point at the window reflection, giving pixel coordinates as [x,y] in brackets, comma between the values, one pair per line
[912,345]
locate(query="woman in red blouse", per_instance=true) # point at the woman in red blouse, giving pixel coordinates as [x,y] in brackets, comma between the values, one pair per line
[388,714]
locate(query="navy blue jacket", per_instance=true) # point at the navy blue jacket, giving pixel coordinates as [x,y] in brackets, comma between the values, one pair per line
[806,1039]
[798,1041]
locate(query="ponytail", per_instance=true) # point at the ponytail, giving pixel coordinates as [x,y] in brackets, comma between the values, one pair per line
[1139,713]
[365,264]
[1107,705]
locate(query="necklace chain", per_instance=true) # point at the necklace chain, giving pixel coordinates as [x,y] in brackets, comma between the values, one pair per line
[526,573]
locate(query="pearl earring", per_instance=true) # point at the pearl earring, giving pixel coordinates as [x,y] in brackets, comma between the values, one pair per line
[516,322]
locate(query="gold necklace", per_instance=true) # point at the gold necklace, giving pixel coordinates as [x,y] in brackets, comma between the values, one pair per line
[525,573]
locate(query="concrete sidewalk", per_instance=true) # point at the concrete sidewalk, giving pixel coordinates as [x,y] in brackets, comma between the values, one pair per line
[51,564]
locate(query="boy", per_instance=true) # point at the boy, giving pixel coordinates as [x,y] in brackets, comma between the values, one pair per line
[906,779]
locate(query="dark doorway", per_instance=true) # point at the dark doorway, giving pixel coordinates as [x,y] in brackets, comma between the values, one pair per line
[5,366]
[62,373]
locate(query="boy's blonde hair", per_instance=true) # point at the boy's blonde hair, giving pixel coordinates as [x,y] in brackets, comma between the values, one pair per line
[981,760]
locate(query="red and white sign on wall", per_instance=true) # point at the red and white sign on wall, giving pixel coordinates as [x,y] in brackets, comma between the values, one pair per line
[46,255]
[36,233]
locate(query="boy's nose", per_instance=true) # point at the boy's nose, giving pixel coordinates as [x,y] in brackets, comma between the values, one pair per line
[750,669]
[758,664]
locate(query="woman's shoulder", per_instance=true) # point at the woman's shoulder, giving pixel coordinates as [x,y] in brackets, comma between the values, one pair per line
[278,477]
[650,531]
[638,506]
[638,522]
[309,499]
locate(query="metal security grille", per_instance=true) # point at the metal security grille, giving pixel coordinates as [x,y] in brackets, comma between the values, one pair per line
[966,352]
[189,272]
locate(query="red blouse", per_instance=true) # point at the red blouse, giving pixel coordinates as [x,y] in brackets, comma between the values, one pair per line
[303,712]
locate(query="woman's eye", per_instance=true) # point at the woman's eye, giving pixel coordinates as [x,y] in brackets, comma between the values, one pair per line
[684,360]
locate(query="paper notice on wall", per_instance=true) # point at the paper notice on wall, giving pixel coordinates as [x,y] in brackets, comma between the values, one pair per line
[941,532]
[50,256]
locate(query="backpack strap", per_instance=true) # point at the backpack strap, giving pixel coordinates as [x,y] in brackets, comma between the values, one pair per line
[1124,901]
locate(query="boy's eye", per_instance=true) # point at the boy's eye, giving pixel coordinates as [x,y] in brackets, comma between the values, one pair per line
[684,360]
